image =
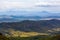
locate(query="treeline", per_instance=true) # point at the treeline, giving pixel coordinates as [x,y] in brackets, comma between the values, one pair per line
[56,37]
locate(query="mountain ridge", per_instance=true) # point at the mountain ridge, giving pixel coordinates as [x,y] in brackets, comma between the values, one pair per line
[28,25]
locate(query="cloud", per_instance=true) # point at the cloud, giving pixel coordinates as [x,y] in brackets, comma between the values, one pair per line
[29,5]
[5,5]
[48,4]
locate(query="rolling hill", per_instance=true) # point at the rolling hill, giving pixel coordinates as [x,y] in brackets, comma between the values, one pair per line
[41,26]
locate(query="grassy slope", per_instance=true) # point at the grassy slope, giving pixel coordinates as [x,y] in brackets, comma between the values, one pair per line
[15,33]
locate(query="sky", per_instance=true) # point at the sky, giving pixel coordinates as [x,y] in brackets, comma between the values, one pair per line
[28,7]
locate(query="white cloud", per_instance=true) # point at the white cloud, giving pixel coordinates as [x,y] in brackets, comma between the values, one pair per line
[28,4]
[48,3]
[5,5]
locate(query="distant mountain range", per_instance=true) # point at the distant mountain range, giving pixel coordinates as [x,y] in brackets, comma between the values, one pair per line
[14,18]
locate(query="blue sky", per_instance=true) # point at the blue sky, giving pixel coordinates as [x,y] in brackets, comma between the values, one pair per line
[29,6]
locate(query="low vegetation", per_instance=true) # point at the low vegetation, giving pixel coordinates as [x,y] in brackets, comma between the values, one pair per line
[38,37]
[16,33]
